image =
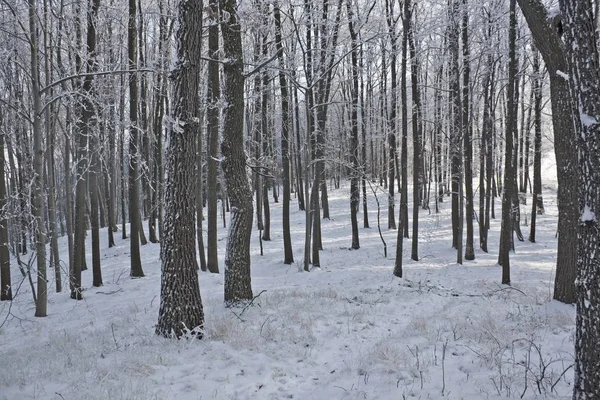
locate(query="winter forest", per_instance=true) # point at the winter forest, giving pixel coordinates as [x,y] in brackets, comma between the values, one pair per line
[294,199]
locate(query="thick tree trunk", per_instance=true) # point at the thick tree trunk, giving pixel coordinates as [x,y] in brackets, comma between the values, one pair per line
[181,311]
[583,59]
[237,255]
[549,43]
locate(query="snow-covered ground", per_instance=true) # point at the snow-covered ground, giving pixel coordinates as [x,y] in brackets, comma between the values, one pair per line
[349,330]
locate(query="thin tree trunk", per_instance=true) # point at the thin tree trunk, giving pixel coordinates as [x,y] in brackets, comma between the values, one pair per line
[509,159]
[467,130]
[213,95]
[288,254]
[134,193]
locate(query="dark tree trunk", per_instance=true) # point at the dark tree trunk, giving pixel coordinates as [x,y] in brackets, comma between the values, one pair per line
[237,256]
[417,130]
[85,129]
[456,123]
[180,311]
[135,218]
[549,43]
[5,280]
[467,132]
[581,47]
[213,94]
[509,159]
[288,254]
[537,205]
[391,165]
[354,183]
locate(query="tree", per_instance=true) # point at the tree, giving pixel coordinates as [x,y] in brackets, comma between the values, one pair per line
[38,165]
[134,191]
[392,157]
[509,159]
[417,129]
[583,59]
[537,206]
[354,183]
[237,254]
[180,302]
[5,281]
[546,31]
[288,254]
[466,126]
[455,124]
[213,94]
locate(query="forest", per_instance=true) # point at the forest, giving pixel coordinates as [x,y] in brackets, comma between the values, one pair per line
[378,199]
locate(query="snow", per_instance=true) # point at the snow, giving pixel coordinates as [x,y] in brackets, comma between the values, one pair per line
[587,120]
[588,215]
[349,330]
[562,74]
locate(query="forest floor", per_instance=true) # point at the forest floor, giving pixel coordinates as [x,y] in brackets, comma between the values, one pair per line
[348,330]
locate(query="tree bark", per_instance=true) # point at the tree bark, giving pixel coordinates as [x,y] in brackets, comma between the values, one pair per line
[548,41]
[581,48]
[135,218]
[237,254]
[288,254]
[354,183]
[213,94]
[181,311]
[467,132]
[509,159]
[38,166]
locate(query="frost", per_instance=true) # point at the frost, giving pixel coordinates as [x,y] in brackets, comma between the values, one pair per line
[562,75]
[587,120]
[587,214]
[553,12]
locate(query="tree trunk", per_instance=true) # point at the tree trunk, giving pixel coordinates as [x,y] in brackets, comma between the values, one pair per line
[354,183]
[391,166]
[181,311]
[5,280]
[581,49]
[467,132]
[509,167]
[213,94]
[237,255]
[135,218]
[38,166]
[549,43]
[537,205]
[417,130]
[456,125]
[288,254]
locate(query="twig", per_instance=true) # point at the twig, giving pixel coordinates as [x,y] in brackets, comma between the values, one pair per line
[509,287]
[247,306]
[113,292]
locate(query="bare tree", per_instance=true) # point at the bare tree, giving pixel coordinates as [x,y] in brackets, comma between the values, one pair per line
[237,254]
[583,59]
[135,217]
[181,309]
